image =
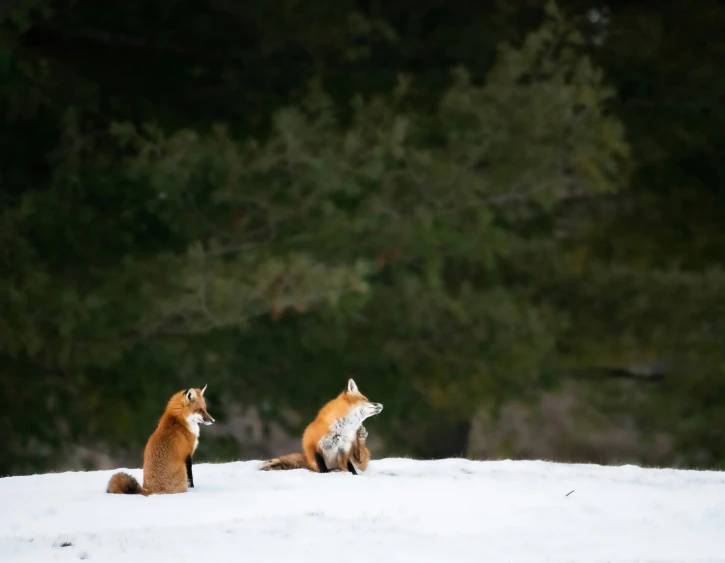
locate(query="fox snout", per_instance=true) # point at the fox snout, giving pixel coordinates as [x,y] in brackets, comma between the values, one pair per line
[207,419]
[371,409]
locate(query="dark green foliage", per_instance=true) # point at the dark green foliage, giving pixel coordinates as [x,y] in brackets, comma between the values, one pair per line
[458,204]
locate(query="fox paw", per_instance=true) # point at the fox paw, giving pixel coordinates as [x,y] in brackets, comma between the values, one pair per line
[362,433]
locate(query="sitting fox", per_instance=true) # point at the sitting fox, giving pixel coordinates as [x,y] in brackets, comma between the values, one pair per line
[167,457]
[335,440]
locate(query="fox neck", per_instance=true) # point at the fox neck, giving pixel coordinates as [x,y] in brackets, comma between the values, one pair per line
[347,425]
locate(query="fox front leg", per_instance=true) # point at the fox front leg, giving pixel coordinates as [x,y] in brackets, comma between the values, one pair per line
[344,463]
[189,474]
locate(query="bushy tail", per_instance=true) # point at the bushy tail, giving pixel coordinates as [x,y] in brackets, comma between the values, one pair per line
[125,484]
[291,461]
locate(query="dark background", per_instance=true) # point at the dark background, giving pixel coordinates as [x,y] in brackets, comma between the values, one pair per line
[503,218]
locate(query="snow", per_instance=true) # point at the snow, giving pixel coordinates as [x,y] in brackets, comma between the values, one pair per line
[401,510]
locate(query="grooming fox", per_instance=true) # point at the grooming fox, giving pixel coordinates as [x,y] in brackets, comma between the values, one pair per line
[167,457]
[335,440]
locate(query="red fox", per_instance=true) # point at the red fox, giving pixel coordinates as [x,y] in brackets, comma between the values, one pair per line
[335,440]
[167,457]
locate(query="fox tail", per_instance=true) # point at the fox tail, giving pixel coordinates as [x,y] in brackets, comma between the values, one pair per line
[285,462]
[125,484]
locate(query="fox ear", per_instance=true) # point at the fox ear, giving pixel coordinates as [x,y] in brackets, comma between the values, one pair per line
[352,387]
[203,389]
[190,395]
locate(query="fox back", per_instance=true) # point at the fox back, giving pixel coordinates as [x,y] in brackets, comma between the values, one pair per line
[174,440]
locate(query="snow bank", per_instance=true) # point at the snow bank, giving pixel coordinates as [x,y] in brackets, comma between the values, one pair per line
[401,510]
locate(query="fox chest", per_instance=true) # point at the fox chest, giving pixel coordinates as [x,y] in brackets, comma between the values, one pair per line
[193,427]
[341,436]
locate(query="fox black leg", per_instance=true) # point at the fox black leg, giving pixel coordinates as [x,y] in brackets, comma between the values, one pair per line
[321,463]
[351,467]
[189,474]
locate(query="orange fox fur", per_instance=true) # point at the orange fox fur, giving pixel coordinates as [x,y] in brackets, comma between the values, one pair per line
[335,440]
[168,453]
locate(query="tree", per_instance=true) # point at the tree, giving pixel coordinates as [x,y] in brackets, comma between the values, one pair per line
[441,213]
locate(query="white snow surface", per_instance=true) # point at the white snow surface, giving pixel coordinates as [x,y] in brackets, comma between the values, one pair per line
[400,510]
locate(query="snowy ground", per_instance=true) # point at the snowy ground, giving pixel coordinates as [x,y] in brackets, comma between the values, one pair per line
[401,510]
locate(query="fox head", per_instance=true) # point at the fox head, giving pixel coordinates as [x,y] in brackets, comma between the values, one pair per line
[359,401]
[195,406]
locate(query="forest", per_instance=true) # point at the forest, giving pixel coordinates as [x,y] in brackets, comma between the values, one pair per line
[503,218]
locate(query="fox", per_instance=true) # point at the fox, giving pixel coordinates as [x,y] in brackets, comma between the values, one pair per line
[168,452]
[335,440]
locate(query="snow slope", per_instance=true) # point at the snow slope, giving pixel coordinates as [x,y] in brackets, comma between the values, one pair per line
[401,510]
